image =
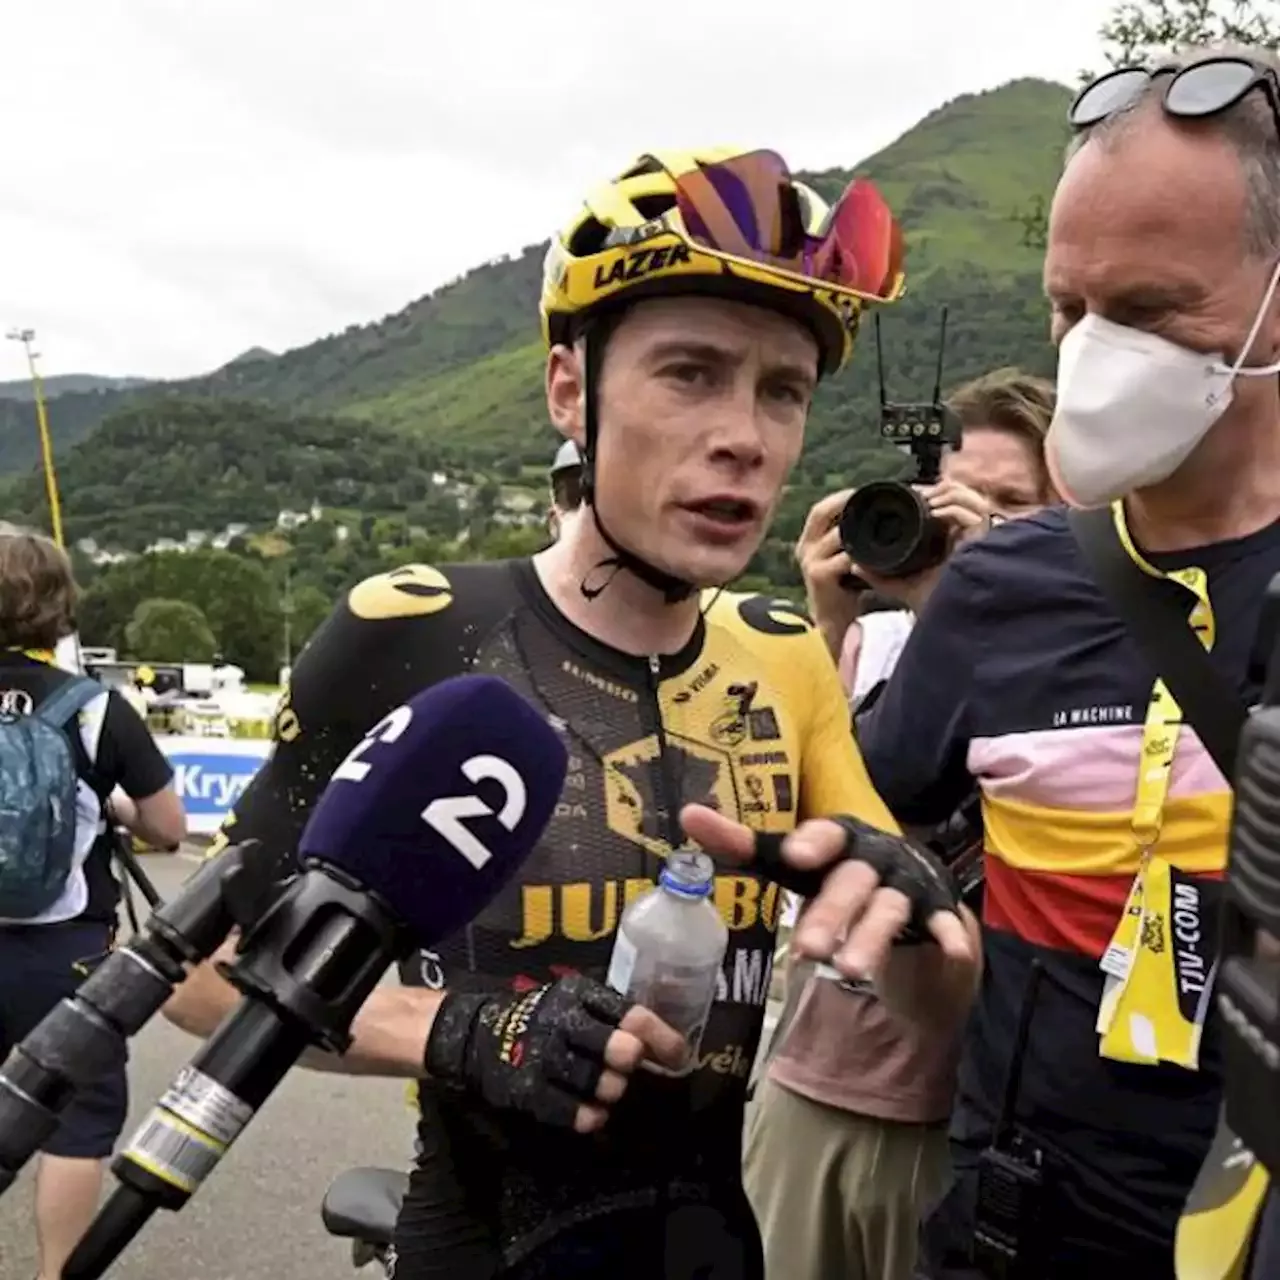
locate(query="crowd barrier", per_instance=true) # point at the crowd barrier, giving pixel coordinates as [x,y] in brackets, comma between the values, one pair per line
[211,774]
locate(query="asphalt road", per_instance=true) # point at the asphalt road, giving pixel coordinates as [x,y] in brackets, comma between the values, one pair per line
[258,1214]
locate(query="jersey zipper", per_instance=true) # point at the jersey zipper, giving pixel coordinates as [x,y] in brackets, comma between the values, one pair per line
[670,791]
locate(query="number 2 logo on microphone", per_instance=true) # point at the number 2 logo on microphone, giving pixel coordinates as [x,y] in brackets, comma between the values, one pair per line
[446,814]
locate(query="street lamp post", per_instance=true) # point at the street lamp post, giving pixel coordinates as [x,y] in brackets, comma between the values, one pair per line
[27,338]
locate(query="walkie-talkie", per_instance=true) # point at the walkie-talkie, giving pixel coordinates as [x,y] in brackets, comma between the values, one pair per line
[1008,1243]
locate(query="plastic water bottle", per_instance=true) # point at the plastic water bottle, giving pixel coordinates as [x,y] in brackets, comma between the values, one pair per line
[669,951]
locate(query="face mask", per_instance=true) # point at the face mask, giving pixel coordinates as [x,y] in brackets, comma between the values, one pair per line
[1132,406]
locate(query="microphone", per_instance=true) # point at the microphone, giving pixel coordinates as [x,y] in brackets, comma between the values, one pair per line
[79,1039]
[418,830]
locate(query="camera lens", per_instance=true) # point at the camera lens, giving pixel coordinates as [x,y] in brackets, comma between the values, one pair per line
[887,529]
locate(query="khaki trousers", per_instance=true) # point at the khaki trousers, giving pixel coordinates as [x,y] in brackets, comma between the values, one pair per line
[838,1196]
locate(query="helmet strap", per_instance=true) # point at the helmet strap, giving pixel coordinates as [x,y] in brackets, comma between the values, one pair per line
[595,337]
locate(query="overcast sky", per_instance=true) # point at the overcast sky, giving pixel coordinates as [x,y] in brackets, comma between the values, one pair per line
[183,179]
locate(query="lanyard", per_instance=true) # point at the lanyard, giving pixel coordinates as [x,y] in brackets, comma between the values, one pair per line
[1163,720]
[1149,1011]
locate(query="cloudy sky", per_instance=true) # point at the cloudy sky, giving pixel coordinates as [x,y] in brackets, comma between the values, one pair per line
[183,179]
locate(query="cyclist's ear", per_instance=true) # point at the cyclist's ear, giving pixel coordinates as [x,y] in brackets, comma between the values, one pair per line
[565,390]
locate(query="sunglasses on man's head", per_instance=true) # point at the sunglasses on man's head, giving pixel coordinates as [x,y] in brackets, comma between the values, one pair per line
[1194,92]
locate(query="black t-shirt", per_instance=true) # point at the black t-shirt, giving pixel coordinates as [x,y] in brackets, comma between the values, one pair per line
[748,716]
[126,757]
[1019,675]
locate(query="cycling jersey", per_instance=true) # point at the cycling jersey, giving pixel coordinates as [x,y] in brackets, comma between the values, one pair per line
[748,717]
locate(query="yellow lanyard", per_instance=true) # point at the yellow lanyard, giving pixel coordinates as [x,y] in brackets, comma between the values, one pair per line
[1145,1015]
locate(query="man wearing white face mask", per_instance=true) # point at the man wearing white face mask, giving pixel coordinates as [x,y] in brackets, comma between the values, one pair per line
[1106,820]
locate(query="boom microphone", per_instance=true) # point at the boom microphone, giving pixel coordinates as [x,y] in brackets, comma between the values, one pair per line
[419,828]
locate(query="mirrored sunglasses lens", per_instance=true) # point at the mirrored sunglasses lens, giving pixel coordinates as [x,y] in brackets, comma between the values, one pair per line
[1106,96]
[1208,87]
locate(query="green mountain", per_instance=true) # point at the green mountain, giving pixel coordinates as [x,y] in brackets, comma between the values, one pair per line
[459,371]
[163,466]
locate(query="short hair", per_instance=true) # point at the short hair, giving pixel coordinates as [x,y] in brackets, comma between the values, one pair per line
[1249,125]
[1009,400]
[38,591]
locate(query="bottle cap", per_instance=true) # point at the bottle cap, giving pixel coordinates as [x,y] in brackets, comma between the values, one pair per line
[691,875]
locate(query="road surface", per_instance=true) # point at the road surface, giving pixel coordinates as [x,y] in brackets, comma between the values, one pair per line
[258,1215]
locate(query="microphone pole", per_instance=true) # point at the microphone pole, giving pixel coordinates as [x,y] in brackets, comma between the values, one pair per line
[80,1039]
[306,969]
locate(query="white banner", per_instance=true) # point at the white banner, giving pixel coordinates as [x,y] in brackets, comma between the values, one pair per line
[211,774]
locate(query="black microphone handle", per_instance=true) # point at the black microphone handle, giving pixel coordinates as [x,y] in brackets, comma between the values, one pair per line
[189,1130]
[83,1036]
[305,969]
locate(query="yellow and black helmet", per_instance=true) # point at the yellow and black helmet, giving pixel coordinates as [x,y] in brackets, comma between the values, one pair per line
[727,223]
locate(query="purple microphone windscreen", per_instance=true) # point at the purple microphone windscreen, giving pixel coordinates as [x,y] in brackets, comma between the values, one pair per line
[441,802]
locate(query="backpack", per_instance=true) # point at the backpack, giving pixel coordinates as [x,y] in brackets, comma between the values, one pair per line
[38,787]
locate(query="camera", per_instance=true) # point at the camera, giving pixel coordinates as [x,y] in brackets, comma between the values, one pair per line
[886,527]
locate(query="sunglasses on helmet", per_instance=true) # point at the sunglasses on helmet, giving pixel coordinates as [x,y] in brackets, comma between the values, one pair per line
[1194,92]
[747,211]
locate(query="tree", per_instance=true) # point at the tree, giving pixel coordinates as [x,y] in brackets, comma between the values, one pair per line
[169,631]
[310,607]
[236,595]
[1138,33]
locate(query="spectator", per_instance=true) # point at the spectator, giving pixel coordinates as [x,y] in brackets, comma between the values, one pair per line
[1095,794]
[847,1144]
[44,955]
[566,487]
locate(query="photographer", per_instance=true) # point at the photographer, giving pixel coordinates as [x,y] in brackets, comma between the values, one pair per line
[1102,809]
[997,474]
[848,1135]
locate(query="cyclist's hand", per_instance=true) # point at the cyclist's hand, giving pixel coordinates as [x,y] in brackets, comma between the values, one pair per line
[865,889]
[825,567]
[562,1053]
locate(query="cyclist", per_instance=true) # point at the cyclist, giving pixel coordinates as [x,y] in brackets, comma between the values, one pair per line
[684,352]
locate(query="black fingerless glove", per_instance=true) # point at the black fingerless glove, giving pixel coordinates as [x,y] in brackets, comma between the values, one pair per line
[899,864]
[540,1053]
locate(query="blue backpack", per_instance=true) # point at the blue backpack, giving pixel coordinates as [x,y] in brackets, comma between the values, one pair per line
[38,783]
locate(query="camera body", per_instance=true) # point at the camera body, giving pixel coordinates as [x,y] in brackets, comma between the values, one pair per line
[886,527]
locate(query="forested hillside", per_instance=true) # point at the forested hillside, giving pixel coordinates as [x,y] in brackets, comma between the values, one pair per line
[460,368]
[423,436]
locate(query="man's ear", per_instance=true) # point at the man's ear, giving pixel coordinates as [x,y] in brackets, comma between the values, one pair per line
[566,403]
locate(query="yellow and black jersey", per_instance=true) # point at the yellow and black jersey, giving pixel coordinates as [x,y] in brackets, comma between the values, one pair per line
[748,716]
